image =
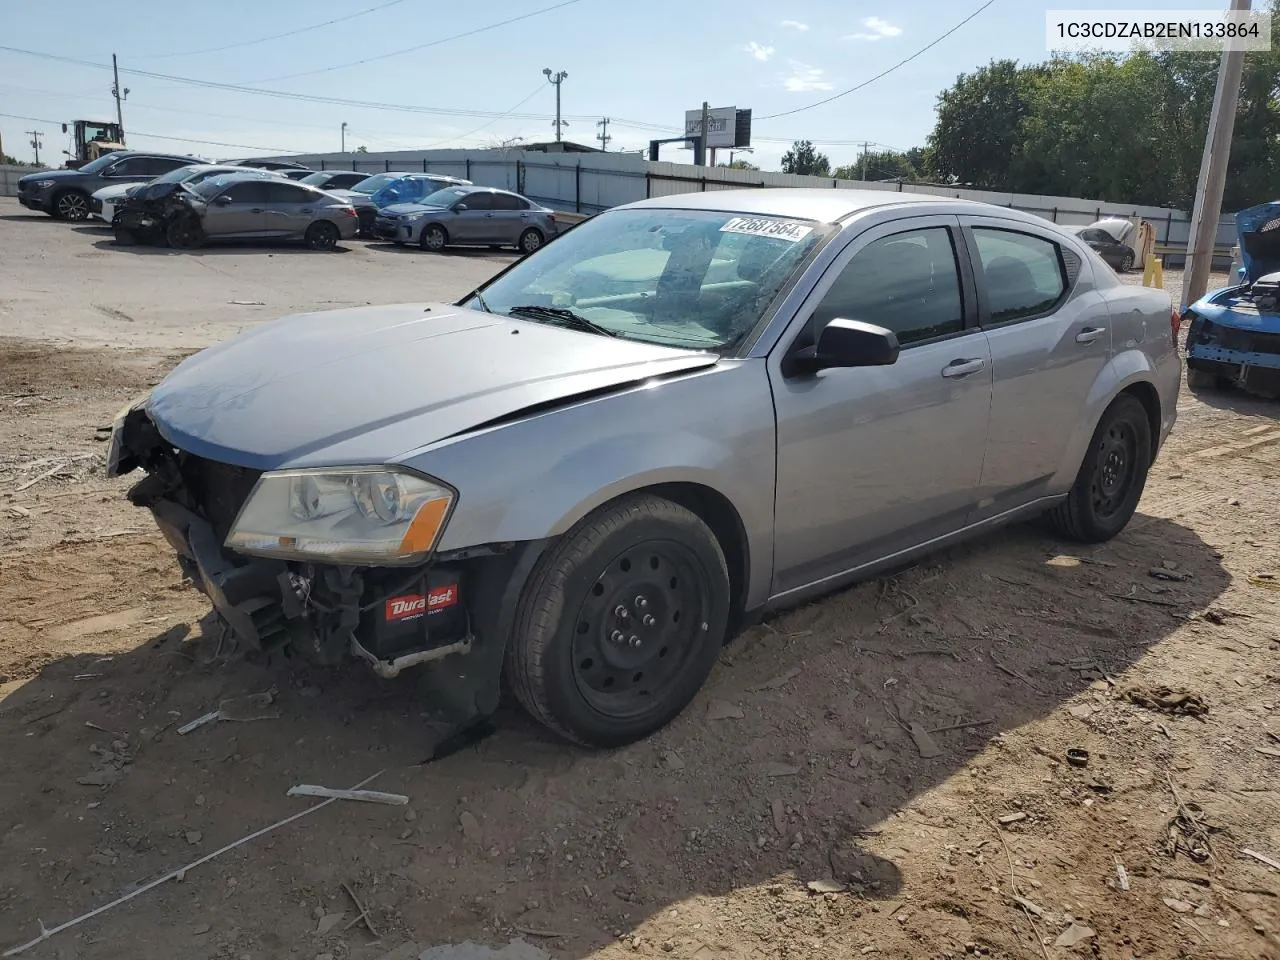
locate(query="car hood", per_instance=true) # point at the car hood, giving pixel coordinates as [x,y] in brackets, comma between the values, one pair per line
[1258,230]
[402,208]
[373,384]
[52,175]
[115,191]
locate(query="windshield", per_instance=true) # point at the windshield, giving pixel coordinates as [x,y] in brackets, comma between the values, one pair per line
[210,187]
[445,198]
[682,278]
[316,179]
[93,166]
[177,176]
[376,182]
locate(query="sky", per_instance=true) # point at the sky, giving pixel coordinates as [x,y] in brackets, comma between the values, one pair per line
[640,64]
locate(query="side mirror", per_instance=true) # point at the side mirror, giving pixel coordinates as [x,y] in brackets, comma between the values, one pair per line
[846,343]
[458,207]
[222,201]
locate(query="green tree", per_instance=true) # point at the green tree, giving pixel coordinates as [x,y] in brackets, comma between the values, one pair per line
[362,149]
[881,165]
[803,159]
[740,165]
[977,138]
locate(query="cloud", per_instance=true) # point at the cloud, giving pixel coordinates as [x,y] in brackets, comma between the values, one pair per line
[804,78]
[759,51]
[876,29]
[795,25]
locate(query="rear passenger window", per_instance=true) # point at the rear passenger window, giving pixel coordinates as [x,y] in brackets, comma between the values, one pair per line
[907,283]
[507,201]
[1023,273]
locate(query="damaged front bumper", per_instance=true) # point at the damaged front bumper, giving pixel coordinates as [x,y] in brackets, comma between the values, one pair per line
[453,613]
[1248,358]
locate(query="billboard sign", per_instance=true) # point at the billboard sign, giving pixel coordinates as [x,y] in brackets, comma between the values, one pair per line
[722,126]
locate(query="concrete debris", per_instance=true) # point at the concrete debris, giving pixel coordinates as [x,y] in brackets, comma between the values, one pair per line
[1009,818]
[826,886]
[723,710]
[672,760]
[328,923]
[1075,934]
[1178,906]
[924,743]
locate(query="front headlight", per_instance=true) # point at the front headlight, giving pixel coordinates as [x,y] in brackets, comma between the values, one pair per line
[377,516]
[45,184]
[115,448]
[413,217]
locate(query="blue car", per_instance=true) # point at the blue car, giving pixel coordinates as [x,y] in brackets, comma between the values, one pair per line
[383,189]
[1233,334]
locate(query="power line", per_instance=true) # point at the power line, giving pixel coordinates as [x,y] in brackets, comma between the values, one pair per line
[883,73]
[536,90]
[156,136]
[421,46]
[274,36]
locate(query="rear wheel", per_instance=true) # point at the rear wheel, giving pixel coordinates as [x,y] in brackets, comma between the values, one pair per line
[322,235]
[433,238]
[530,240]
[621,622]
[184,232]
[1126,262]
[71,205]
[1112,476]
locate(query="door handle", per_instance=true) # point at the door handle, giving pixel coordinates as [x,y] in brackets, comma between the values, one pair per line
[1090,334]
[962,368]
[256,210]
[305,210]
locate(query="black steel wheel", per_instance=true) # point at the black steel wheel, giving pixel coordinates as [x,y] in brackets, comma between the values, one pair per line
[1126,262]
[433,238]
[322,235]
[621,622]
[530,240]
[71,205]
[184,232]
[1112,476]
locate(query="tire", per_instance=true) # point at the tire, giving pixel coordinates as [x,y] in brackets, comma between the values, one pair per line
[72,206]
[1126,262]
[322,235]
[1202,379]
[620,623]
[433,237]
[124,236]
[1111,478]
[184,233]
[530,241]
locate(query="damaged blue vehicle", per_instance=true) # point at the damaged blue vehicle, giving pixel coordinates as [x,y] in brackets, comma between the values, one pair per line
[1233,334]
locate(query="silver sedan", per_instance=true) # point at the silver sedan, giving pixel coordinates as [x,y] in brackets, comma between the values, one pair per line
[468,216]
[683,414]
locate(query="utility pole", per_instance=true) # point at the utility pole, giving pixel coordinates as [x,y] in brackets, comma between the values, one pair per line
[119,95]
[701,159]
[1213,172]
[35,143]
[603,136]
[555,79]
[344,136]
[862,163]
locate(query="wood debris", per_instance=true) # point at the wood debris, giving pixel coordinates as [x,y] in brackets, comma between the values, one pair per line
[364,796]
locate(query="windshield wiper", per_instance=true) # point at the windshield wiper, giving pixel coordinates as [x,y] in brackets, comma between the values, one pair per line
[475,295]
[535,312]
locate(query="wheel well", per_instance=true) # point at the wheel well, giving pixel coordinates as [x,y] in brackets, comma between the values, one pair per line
[1150,400]
[719,514]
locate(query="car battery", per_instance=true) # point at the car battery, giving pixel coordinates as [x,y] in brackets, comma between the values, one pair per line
[1266,293]
[426,613]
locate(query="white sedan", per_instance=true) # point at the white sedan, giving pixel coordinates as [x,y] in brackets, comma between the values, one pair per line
[102,205]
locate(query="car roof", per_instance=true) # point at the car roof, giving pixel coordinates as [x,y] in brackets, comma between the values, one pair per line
[828,205]
[121,154]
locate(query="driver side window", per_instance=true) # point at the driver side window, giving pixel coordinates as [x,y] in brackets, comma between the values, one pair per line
[906,282]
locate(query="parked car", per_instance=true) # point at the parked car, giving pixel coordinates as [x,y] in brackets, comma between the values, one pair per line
[383,189]
[240,206]
[334,179]
[299,174]
[468,216]
[102,204]
[1233,334]
[1109,238]
[682,414]
[65,194]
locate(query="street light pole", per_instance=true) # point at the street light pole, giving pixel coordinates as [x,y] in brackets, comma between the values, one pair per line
[1213,173]
[344,136]
[555,79]
[119,95]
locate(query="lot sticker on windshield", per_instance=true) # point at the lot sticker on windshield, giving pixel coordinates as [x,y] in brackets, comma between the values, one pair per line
[765,227]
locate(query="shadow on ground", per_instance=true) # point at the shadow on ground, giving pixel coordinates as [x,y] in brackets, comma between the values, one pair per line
[782,767]
[215,248]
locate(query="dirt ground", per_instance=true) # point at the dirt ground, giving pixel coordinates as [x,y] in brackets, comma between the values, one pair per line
[883,773]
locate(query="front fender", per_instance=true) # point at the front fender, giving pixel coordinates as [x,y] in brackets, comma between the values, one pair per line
[534,478]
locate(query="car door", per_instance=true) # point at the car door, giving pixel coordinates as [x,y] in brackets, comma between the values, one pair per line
[1049,346]
[290,208]
[510,218]
[472,220]
[239,211]
[875,460]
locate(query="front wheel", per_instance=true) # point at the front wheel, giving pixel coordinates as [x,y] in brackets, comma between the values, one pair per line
[72,205]
[530,240]
[433,238]
[184,232]
[322,235]
[1111,478]
[621,622]
[1126,262]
